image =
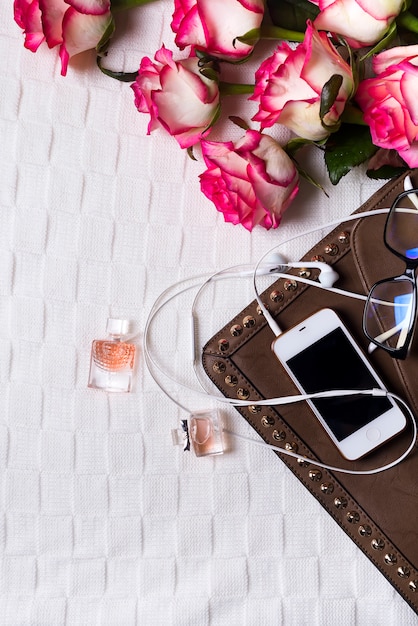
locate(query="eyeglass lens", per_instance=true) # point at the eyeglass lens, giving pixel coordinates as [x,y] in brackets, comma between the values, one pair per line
[391,307]
[389,313]
[401,232]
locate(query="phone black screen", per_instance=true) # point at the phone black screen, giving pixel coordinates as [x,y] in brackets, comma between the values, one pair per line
[333,363]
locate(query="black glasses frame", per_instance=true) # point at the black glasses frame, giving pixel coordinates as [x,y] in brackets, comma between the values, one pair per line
[409,275]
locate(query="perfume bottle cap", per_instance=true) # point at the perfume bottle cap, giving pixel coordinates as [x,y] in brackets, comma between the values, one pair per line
[117,327]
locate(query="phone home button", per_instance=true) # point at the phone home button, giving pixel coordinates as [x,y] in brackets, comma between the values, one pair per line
[373,434]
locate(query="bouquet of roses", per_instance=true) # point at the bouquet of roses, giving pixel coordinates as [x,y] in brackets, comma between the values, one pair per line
[343,79]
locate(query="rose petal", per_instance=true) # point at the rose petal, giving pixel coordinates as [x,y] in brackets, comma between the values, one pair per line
[394,56]
[53,12]
[90,7]
[27,15]
[80,33]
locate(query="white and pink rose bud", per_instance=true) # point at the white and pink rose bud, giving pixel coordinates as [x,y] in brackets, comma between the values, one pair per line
[251,182]
[73,25]
[177,96]
[289,86]
[389,102]
[217,27]
[362,23]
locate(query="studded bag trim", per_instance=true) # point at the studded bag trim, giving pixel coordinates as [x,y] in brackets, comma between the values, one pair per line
[379,512]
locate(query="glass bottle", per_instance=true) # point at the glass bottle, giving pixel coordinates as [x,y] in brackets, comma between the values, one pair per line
[112,359]
[203,430]
[206,433]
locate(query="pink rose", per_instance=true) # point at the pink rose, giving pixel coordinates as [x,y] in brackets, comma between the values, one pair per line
[390,102]
[73,25]
[251,182]
[360,22]
[288,86]
[177,96]
[214,25]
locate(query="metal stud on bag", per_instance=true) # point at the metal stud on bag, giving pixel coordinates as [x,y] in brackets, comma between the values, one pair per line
[391,559]
[378,544]
[291,446]
[248,321]
[254,409]
[344,237]
[276,296]
[341,502]
[365,530]
[243,394]
[331,249]
[403,572]
[279,435]
[353,517]
[223,345]
[290,285]
[327,488]
[315,475]
[267,421]
[219,367]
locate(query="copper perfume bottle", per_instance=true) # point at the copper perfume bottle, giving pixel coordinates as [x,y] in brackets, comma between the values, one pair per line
[112,359]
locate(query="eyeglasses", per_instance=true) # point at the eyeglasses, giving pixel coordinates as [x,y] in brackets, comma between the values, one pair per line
[390,311]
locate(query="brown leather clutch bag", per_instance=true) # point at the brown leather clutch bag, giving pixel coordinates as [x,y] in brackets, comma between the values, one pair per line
[379,512]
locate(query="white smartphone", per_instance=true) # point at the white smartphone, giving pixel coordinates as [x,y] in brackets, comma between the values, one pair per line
[319,354]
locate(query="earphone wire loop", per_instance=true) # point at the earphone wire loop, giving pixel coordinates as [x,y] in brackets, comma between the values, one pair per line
[160,303]
[269,318]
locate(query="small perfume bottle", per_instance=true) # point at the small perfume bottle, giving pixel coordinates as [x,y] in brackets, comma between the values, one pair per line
[112,359]
[204,431]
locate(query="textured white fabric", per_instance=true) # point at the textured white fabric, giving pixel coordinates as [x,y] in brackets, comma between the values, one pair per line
[102,520]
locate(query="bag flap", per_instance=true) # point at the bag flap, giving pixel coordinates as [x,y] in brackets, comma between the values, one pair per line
[378,512]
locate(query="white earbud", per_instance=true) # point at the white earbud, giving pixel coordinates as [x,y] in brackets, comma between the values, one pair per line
[327,276]
[274,263]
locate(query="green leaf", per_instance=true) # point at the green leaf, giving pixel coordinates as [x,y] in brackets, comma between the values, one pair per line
[124,77]
[214,119]
[238,121]
[250,38]
[123,5]
[407,24]
[304,174]
[190,153]
[291,14]
[329,94]
[103,44]
[295,144]
[235,89]
[210,73]
[386,172]
[383,43]
[347,148]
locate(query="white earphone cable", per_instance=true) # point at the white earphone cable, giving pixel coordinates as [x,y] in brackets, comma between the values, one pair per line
[369,472]
[270,320]
[238,271]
